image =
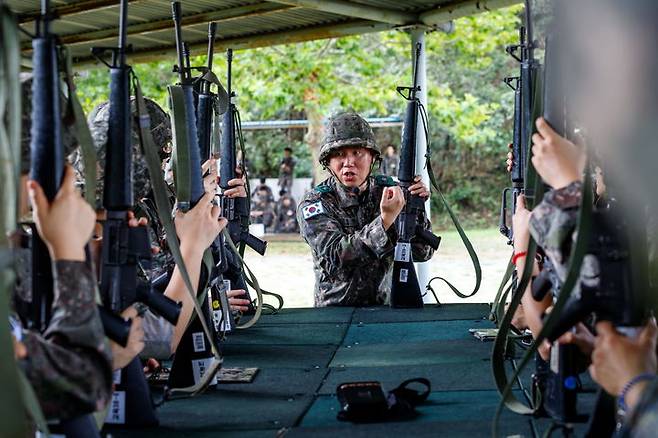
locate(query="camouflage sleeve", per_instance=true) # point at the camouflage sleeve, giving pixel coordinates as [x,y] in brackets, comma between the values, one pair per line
[644,419]
[553,221]
[420,251]
[70,365]
[336,249]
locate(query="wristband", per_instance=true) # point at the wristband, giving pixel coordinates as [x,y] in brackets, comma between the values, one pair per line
[621,401]
[516,257]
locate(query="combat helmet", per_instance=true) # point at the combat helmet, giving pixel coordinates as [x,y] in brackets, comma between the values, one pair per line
[347,129]
[99,120]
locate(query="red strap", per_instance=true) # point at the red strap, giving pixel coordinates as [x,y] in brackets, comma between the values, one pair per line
[518,256]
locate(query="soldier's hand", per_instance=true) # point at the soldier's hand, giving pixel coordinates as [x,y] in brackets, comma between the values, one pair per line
[199,227]
[581,338]
[66,223]
[558,161]
[521,226]
[510,158]
[209,170]
[237,304]
[122,356]
[617,359]
[237,189]
[391,205]
[419,188]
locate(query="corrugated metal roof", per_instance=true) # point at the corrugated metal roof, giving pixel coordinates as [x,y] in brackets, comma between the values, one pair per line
[83,24]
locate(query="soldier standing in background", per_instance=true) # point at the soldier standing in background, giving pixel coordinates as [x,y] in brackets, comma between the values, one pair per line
[286,170]
[285,218]
[390,162]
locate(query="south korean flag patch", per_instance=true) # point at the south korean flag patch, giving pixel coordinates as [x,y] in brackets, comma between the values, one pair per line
[313,210]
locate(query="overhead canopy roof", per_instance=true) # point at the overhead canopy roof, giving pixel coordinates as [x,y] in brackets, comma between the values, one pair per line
[242,24]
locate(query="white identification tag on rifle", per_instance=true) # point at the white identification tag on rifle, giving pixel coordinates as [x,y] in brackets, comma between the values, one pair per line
[198,342]
[404,274]
[117,412]
[402,252]
[199,368]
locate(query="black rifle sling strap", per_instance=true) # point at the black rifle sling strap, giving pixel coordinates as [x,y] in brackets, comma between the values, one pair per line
[83,135]
[164,211]
[453,217]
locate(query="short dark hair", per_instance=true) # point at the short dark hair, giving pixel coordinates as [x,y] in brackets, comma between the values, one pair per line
[288,149]
[262,180]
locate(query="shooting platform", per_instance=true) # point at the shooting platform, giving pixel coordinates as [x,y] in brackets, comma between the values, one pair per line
[303,354]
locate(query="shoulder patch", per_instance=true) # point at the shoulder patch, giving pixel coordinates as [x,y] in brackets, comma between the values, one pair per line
[322,188]
[312,210]
[385,181]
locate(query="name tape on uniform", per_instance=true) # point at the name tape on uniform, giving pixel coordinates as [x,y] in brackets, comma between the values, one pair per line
[312,210]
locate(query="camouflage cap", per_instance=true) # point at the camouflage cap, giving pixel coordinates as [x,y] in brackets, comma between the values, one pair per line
[98,125]
[69,140]
[347,129]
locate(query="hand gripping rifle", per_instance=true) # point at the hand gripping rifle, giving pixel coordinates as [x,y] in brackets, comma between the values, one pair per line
[405,290]
[46,156]
[125,248]
[522,86]
[197,353]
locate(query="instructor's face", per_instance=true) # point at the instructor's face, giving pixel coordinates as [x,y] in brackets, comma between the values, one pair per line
[351,165]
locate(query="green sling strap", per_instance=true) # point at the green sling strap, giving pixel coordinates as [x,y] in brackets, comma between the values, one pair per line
[453,217]
[149,149]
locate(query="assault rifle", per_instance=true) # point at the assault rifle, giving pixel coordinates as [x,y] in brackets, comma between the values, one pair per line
[405,290]
[522,86]
[125,248]
[46,156]
[235,210]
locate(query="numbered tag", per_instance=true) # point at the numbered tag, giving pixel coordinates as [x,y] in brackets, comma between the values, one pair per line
[404,275]
[117,412]
[402,252]
[198,342]
[199,368]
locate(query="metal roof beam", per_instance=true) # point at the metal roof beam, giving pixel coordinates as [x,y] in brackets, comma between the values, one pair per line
[458,9]
[219,16]
[354,10]
[253,41]
[71,9]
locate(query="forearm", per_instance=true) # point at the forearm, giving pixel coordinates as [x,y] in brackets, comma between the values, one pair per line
[533,310]
[177,290]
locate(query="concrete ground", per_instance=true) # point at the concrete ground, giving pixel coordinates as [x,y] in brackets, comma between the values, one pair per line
[287,267]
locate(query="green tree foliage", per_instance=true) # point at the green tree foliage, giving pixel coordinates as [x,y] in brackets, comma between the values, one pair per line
[470,108]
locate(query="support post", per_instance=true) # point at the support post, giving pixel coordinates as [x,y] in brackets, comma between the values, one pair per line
[418,36]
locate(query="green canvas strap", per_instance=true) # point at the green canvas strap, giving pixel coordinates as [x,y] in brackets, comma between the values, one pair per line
[87,149]
[502,293]
[181,153]
[12,379]
[251,280]
[464,238]
[149,149]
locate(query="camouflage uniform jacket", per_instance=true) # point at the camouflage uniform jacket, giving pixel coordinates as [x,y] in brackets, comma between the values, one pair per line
[70,364]
[643,421]
[352,252]
[390,165]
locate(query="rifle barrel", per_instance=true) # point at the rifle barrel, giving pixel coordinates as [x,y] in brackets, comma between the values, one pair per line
[176,14]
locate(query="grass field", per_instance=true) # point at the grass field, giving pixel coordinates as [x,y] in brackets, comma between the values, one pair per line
[287,268]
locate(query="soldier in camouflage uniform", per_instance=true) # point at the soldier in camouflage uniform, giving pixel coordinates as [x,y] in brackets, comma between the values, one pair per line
[348,219]
[70,364]
[286,219]
[262,207]
[286,170]
[390,162]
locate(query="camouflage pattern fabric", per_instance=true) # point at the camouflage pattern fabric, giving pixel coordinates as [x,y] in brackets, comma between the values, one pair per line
[286,219]
[347,129]
[643,421]
[98,124]
[262,208]
[286,170]
[70,364]
[69,140]
[390,165]
[352,252]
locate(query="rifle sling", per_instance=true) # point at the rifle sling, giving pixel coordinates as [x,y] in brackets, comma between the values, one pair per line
[164,208]
[181,153]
